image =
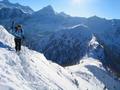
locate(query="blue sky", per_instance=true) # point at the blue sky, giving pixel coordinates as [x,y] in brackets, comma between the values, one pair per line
[82,8]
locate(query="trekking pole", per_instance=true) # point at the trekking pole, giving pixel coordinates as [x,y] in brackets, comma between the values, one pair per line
[12,27]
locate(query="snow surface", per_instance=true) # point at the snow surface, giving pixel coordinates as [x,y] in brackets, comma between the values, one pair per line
[95,50]
[30,70]
[91,75]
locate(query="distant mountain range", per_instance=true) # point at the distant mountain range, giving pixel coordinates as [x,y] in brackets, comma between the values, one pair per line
[69,46]
[7,4]
[43,27]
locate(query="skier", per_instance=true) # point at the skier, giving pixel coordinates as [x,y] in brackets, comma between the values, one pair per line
[19,36]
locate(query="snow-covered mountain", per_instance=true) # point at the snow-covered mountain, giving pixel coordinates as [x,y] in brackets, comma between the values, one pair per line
[68,46]
[8,15]
[111,42]
[107,33]
[46,21]
[7,4]
[91,75]
[46,11]
[30,70]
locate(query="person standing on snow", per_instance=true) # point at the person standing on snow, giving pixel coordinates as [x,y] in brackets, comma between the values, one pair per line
[19,35]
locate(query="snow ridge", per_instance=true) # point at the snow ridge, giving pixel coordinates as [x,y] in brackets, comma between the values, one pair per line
[7,4]
[30,70]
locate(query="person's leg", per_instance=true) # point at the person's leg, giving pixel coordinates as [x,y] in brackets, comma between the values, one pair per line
[19,46]
[15,44]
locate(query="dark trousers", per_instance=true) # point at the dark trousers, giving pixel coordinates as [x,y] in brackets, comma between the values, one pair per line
[17,44]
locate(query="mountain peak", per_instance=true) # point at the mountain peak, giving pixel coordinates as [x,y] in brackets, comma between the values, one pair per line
[48,9]
[96,17]
[8,4]
[49,6]
[6,1]
[64,14]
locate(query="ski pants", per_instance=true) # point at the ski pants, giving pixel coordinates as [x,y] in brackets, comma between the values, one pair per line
[17,44]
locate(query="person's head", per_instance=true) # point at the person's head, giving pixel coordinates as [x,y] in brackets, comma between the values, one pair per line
[18,27]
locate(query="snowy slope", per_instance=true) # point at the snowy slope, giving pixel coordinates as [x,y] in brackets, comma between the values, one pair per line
[111,42]
[5,38]
[47,21]
[91,75]
[30,70]
[95,49]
